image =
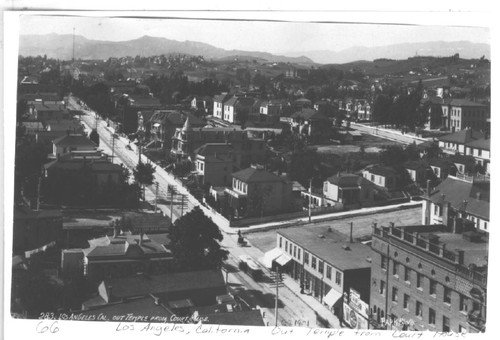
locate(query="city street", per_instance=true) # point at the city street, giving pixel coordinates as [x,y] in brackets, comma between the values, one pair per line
[291,311]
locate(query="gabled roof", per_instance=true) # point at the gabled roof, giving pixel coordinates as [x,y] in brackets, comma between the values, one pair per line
[120,245]
[381,170]
[214,148]
[482,143]
[253,175]
[347,180]
[462,137]
[456,191]
[73,140]
[220,98]
[176,118]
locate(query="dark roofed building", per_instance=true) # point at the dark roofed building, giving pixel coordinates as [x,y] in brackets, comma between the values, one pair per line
[256,191]
[348,189]
[163,124]
[314,125]
[381,175]
[201,287]
[126,255]
[460,202]
[68,143]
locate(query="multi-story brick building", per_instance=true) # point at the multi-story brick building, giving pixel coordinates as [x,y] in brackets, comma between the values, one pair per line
[429,277]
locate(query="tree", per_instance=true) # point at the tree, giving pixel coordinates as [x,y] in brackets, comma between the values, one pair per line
[144,175]
[195,242]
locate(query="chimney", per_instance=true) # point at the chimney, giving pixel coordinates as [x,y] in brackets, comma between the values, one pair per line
[428,187]
[459,259]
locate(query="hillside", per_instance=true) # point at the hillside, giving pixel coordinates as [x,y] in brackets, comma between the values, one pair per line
[61,47]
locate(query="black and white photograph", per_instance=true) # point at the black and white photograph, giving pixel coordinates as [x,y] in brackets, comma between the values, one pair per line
[219,173]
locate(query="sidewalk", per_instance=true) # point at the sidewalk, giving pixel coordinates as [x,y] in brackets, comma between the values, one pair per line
[294,287]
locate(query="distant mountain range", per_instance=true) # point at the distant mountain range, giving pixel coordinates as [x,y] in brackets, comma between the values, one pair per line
[61,47]
[466,50]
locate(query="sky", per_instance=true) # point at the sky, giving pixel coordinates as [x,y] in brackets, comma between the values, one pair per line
[301,31]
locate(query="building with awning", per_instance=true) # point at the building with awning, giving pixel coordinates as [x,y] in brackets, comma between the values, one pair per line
[277,256]
[325,262]
[332,298]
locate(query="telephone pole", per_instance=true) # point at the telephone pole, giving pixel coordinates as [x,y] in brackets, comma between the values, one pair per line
[156,195]
[278,281]
[310,194]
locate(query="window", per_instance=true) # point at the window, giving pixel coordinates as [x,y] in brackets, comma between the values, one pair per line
[419,280]
[306,257]
[328,272]
[432,316]
[382,287]
[418,308]
[394,294]
[407,274]
[281,241]
[446,324]
[294,251]
[463,303]
[338,278]
[313,264]
[286,245]
[406,301]
[432,287]
[298,254]
[447,295]
[437,210]
[395,269]
[321,267]
[383,261]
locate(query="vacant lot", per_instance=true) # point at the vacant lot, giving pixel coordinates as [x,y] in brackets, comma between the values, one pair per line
[362,226]
[369,142]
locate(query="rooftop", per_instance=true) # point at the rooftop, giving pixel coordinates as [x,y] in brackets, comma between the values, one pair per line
[482,143]
[472,197]
[347,180]
[381,170]
[330,246]
[462,137]
[309,114]
[165,283]
[123,245]
[254,175]
[73,140]
[243,318]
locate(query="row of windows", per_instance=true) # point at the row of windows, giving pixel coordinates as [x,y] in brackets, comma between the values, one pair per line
[316,264]
[240,186]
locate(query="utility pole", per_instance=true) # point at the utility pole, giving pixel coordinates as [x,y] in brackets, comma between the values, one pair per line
[278,283]
[310,194]
[38,193]
[182,204]
[156,195]
[171,203]
[113,151]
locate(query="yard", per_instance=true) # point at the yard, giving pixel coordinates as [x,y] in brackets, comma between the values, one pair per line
[369,142]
